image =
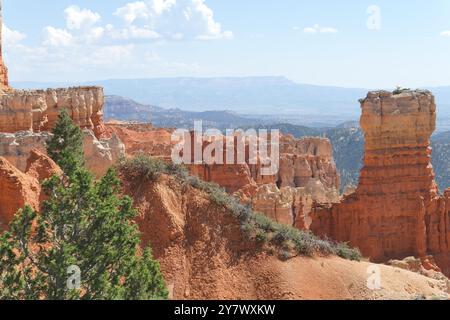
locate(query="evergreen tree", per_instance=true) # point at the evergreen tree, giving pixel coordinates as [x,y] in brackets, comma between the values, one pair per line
[84,243]
[66,145]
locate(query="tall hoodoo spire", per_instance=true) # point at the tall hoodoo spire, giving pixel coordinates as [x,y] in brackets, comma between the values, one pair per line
[3,70]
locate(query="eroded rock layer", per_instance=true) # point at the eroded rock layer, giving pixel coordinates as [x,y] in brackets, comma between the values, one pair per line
[38,110]
[100,154]
[395,211]
[306,162]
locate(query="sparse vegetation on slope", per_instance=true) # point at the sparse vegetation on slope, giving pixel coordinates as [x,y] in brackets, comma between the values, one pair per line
[256,226]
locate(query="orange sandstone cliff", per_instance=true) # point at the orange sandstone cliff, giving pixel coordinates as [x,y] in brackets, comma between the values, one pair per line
[23,188]
[396,210]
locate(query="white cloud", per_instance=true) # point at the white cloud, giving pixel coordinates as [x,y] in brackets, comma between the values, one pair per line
[12,37]
[87,48]
[132,11]
[78,19]
[94,34]
[147,20]
[319,29]
[445,33]
[82,28]
[57,37]
[109,55]
[133,32]
[174,19]
[310,30]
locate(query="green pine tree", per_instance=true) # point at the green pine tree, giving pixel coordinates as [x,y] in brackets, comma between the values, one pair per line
[83,244]
[66,145]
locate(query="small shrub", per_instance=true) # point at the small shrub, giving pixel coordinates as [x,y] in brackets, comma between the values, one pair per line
[261,236]
[177,170]
[344,251]
[263,222]
[217,195]
[284,255]
[240,211]
[144,166]
[283,234]
[400,90]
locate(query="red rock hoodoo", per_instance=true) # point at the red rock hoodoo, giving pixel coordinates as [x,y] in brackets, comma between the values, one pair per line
[396,210]
[4,83]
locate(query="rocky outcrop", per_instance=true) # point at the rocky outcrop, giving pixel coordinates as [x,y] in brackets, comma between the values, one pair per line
[143,138]
[303,162]
[16,147]
[307,172]
[38,110]
[306,159]
[41,167]
[17,190]
[100,154]
[395,211]
[204,254]
[307,175]
[287,205]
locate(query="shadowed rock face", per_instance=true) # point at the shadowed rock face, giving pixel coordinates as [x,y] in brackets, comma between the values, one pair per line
[395,211]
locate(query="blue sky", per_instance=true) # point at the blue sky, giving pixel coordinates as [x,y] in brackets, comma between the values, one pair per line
[319,42]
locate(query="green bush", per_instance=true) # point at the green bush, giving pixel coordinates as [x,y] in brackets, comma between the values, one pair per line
[261,236]
[144,166]
[344,251]
[263,222]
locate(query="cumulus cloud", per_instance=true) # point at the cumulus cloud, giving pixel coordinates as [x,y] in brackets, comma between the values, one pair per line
[147,20]
[84,43]
[133,11]
[319,29]
[445,33]
[78,19]
[82,28]
[57,37]
[12,37]
[174,19]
